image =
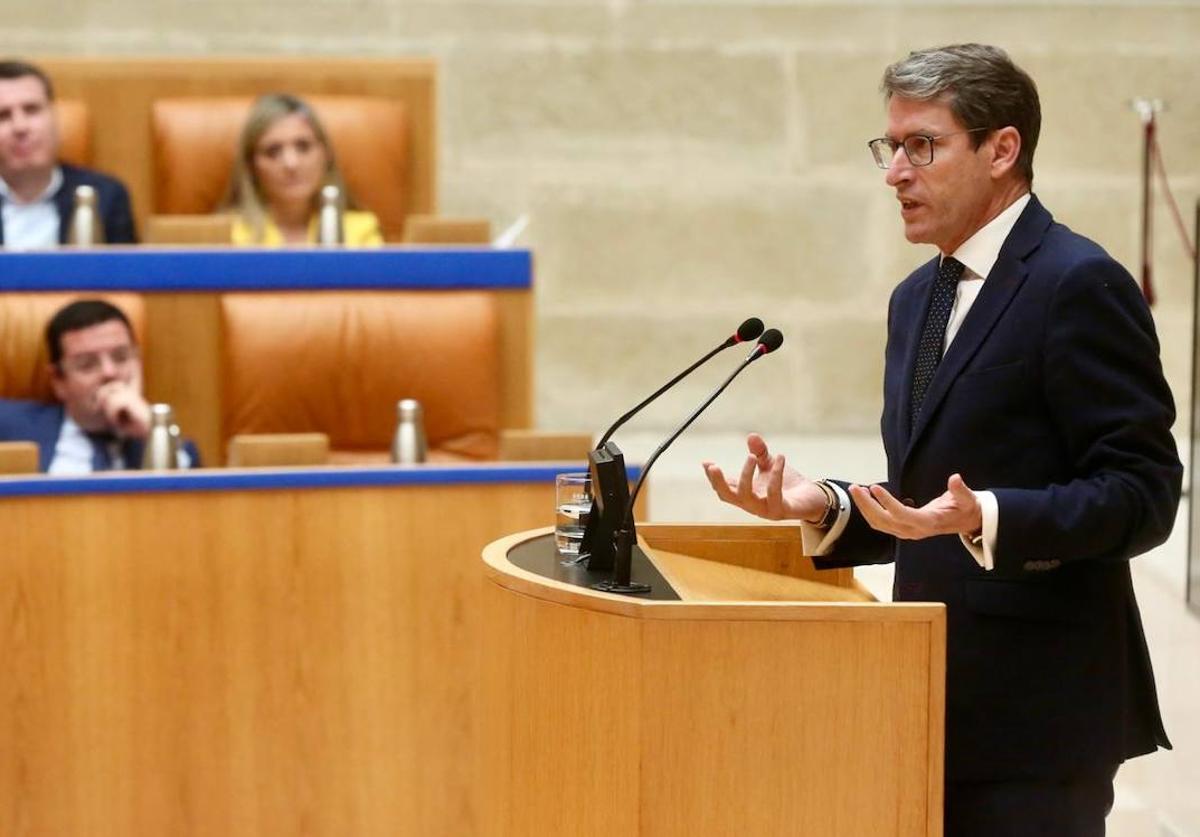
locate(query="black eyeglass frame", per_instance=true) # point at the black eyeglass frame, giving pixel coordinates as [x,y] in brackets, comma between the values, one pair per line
[891,144]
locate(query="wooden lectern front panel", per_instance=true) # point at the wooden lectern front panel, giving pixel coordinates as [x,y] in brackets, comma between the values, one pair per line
[785,728]
[614,715]
[569,716]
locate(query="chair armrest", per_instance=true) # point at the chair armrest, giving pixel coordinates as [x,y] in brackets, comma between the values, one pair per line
[440,229]
[269,450]
[518,445]
[189,229]
[18,458]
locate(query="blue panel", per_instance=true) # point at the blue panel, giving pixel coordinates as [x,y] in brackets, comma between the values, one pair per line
[290,478]
[213,269]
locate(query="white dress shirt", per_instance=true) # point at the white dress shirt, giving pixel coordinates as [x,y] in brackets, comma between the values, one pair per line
[978,255]
[34,223]
[73,452]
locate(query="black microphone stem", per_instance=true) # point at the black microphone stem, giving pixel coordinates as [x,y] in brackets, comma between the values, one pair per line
[679,430]
[610,482]
[617,424]
[621,581]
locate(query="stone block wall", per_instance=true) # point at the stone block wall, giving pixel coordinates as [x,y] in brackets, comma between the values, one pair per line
[687,163]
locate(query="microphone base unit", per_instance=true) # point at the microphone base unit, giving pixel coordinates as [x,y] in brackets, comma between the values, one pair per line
[622,574]
[610,496]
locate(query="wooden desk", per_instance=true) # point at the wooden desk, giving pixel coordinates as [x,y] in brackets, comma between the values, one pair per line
[248,653]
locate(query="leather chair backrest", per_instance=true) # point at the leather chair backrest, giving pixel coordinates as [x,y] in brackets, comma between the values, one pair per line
[338,362]
[195,142]
[74,132]
[24,361]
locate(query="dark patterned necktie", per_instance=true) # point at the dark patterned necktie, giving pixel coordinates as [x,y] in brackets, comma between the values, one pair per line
[107,452]
[933,335]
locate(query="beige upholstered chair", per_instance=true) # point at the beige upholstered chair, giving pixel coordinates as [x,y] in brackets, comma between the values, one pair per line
[74,132]
[195,142]
[338,362]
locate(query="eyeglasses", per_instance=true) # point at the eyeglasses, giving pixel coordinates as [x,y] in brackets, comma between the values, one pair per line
[89,362]
[918,147]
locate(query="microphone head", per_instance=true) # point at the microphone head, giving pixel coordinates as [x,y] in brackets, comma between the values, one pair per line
[749,330]
[771,340]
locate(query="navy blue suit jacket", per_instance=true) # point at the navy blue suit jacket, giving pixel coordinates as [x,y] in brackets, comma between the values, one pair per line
[41,423]
[1052,396]
[112,205]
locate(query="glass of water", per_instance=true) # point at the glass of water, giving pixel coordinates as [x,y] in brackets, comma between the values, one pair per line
[572,505]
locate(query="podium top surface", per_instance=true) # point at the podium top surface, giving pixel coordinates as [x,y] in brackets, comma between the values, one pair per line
[711,571]
[539,556]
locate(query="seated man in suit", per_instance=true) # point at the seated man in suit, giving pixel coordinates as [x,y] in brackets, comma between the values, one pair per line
[37,192]
[101,420]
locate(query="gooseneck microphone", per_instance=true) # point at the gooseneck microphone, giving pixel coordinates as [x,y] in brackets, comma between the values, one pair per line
[748,330]
[621,581]
[610,483]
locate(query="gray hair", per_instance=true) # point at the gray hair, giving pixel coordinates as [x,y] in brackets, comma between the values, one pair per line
[982,87]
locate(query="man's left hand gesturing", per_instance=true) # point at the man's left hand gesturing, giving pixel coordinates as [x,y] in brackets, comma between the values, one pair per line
[955,512]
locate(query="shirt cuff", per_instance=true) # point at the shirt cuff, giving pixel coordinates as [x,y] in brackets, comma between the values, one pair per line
[984,548]
[817,541]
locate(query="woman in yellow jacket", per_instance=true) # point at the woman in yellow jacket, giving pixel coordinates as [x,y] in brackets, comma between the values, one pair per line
[284,159]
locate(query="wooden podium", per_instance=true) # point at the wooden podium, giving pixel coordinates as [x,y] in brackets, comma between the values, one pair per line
[753,695]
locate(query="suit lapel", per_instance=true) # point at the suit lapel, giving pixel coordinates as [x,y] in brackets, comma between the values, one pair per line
[64,201]
[45,433]
[998,290]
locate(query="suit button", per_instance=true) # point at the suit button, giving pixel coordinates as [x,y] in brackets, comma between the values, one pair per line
[909,501]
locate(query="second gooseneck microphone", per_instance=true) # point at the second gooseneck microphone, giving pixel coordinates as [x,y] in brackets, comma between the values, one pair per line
[610,483]
[621,580]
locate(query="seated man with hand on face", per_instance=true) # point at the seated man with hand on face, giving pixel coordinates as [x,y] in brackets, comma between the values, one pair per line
[37,191]
[101,420]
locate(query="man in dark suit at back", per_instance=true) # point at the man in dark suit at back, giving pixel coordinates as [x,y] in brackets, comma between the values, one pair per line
[1026,423]
[101,419]
[37,191]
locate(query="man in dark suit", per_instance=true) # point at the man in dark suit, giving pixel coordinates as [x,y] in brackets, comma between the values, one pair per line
[37,191]
[101,420]
[1026,423]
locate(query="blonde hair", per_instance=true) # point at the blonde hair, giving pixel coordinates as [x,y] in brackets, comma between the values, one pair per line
[244,195]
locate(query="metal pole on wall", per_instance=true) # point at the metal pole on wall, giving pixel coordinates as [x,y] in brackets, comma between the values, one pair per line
[1192,582]
[1147,109]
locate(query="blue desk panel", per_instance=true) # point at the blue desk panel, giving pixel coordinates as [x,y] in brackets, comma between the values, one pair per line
[272,479]
[220,269]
